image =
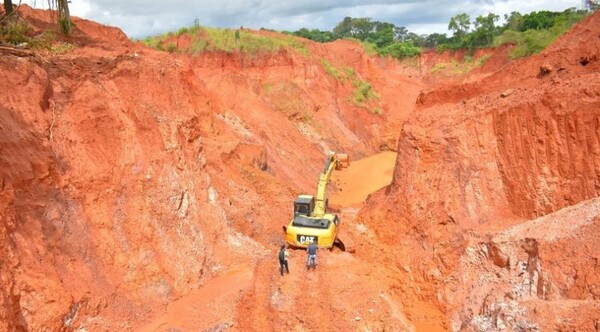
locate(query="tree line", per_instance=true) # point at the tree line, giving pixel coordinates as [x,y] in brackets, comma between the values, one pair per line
[533,30]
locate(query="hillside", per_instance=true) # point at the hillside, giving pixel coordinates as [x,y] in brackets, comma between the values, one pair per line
[146,191]
[495,183]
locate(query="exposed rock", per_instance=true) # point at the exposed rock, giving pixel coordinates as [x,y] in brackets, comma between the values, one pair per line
[507,93]
[545,69]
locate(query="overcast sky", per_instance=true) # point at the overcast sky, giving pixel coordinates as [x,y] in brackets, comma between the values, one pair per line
[142,18]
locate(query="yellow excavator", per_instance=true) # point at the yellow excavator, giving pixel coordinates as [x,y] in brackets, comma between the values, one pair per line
[311,221]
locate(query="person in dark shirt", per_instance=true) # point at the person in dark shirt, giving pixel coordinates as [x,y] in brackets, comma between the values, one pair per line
[312,255]
[283,259]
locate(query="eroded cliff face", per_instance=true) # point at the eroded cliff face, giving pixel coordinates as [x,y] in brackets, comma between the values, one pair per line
[109,204]
[477,158]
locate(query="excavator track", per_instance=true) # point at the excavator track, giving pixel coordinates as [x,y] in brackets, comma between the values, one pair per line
[339,244]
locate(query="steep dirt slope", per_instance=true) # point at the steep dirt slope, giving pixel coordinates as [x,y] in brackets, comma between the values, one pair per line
[135,183]
[478,163]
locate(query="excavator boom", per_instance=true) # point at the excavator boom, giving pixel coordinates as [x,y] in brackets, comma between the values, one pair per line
[334,161]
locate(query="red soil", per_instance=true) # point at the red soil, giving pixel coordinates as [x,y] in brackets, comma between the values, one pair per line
[146,191]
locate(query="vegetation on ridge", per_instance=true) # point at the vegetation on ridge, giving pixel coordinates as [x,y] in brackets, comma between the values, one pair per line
[530,33]
[203,39]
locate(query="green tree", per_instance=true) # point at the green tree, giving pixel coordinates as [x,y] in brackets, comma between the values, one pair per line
[485,30]
[415,39]
[460,24]
[382,34]
[359,28]
[315,34]
[400,33]
[343,28]
[400,50]
[514,21]
[435,40]
[538,20]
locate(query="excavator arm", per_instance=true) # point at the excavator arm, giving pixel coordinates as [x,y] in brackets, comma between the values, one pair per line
[334,161]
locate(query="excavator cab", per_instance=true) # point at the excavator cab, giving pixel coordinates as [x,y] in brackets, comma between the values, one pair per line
[304,205]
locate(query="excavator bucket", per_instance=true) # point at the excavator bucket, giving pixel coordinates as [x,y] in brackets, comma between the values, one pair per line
[343,160]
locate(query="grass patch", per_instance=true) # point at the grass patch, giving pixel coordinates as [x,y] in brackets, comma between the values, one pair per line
[460,67]
[331,70]
[341,74]
[61,47]
[15,31]
[529,42]
[363,92]
[369,48]
[205,39]
[438,67]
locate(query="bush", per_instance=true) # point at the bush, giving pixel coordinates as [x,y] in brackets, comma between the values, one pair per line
[528,42]
[508,37]
[16,31]
[171,48]
[44,40]
[369,48]
[400,50]
[363,92]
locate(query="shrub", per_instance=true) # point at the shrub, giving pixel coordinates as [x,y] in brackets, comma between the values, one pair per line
[171,48]
[400,50]
[363,92]
[45,40]
[16,32]
[529,42]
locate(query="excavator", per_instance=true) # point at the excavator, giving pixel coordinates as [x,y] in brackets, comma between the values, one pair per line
[311,221]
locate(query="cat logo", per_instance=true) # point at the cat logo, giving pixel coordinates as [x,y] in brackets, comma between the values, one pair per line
[307,239]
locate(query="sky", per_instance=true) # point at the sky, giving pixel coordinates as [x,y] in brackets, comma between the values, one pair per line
[143,18]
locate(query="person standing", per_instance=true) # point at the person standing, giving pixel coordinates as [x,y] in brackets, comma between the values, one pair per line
[311,251]
[283,259]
